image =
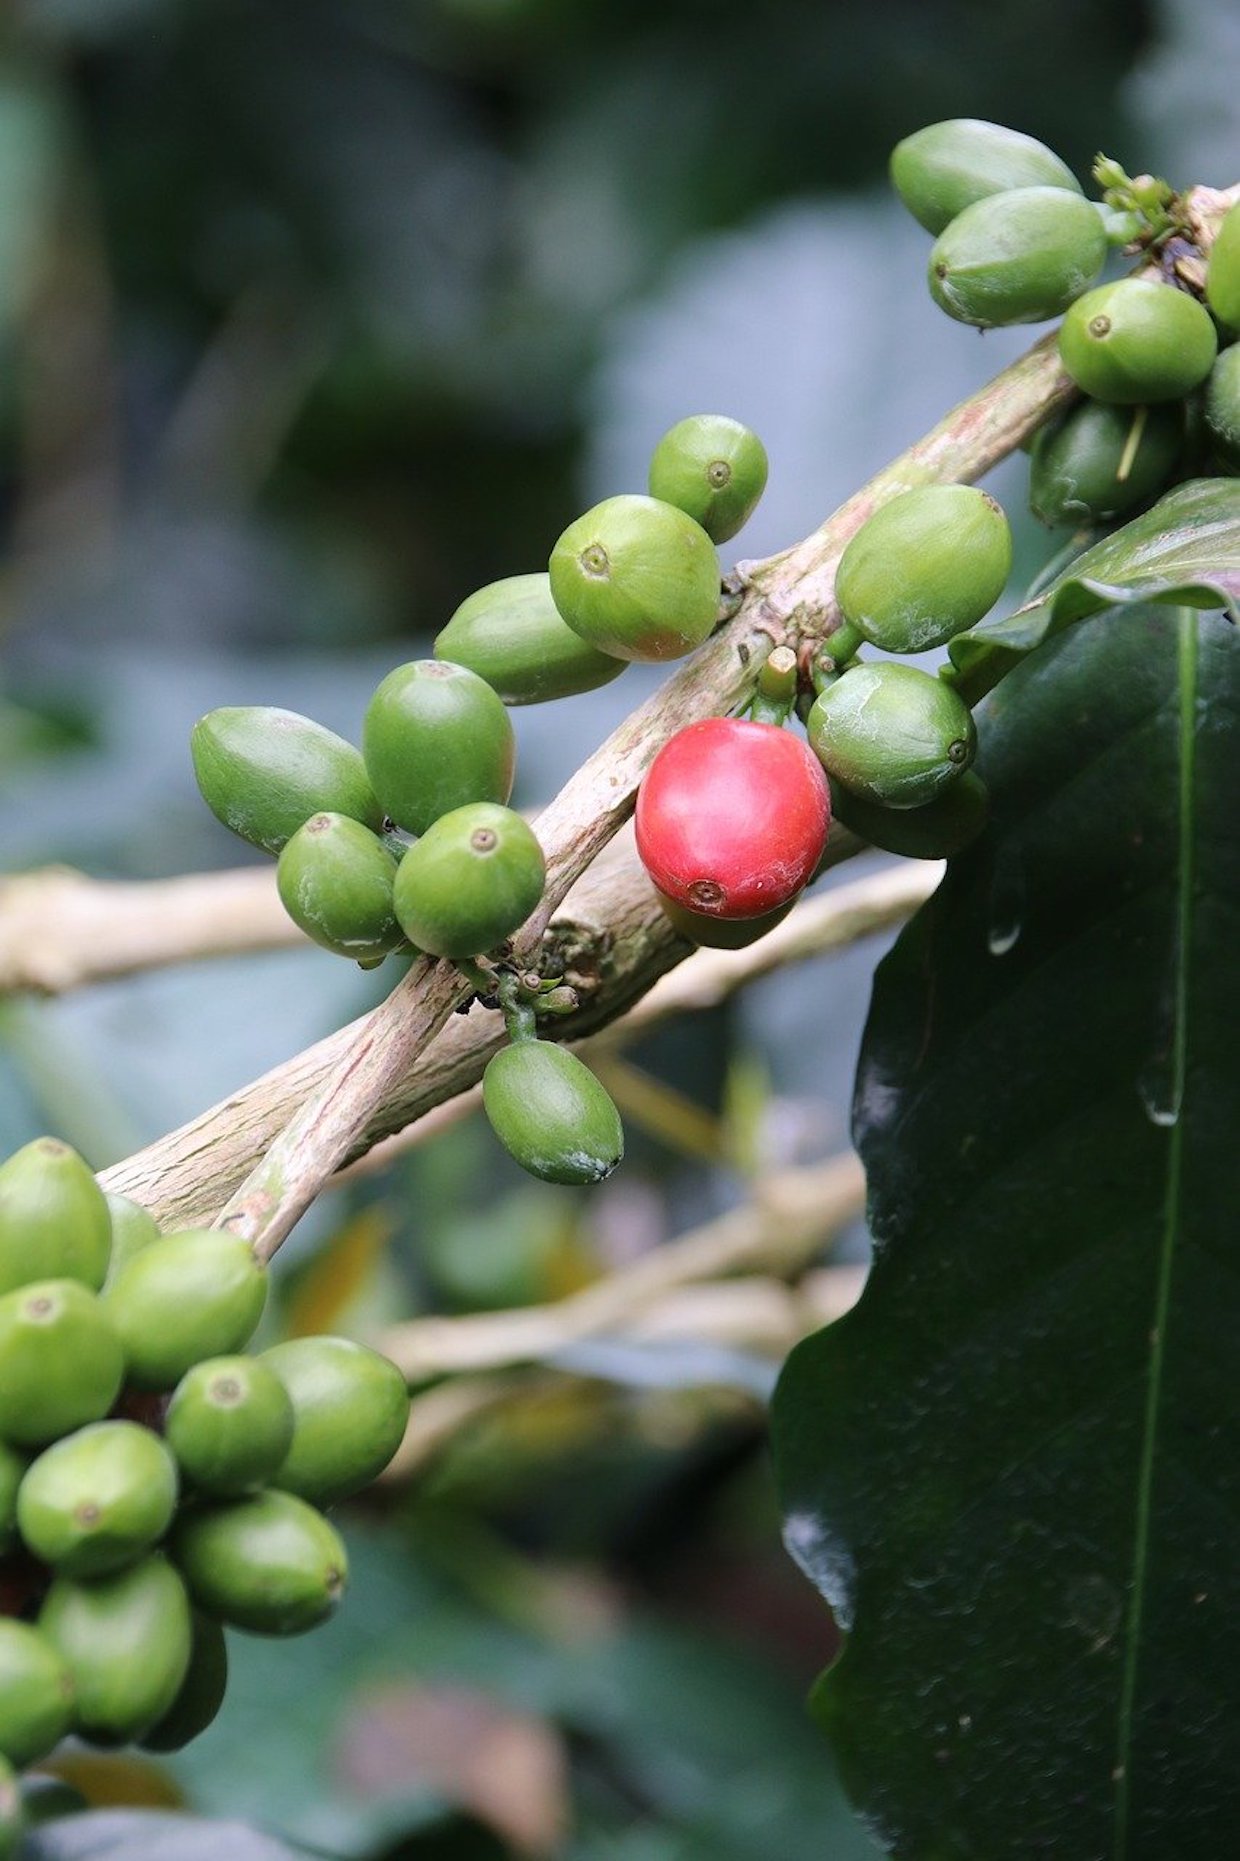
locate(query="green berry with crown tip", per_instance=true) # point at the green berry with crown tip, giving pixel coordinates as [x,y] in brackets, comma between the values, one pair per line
[36,1694]
[350,1407]
[638,578]
[185,1297]
[13,1818]
[132,1230]
[470,881]
[1101,461]
[924,567]
[1223,271]
[60,1361]
[263,771]
[126,1641]
[230,1424]
[98,1499]
[1222,405]
[1018,257]
[12,1472]
[892,733]
[201,1693]
[712,468]
[54,1220]
[271,1564]
[335,881]
[435,737]
[551,1114]
[940,829]
[1137,340]
[940,170]
[512,635]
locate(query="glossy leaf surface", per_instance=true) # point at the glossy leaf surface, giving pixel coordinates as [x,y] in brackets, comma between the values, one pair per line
[1185,551]
[1014,1467]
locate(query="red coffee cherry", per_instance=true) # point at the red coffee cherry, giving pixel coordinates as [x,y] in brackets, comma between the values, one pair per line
[732,817]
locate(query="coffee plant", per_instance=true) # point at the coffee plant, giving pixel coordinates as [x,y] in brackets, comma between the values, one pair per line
[1010,1468]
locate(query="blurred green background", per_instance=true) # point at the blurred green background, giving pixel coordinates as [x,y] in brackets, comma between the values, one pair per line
[314,316]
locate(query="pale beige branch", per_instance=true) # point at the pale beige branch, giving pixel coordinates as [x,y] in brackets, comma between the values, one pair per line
[761,1316]
[781,1229]
[817,926]
[60,930]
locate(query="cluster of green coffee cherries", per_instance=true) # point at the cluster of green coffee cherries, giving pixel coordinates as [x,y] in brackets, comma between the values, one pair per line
[407,844]
[156,1484]
[1017,242]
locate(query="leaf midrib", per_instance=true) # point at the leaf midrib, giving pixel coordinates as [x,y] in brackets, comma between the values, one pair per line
[1187,669]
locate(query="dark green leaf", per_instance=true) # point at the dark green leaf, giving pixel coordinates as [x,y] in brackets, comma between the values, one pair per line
[1185,552]
[149,1835]
[1014,1468]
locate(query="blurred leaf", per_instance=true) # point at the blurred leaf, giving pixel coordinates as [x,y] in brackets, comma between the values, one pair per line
[1009,1468]
[509,1769]
[526,1249]
[33,136]
[116,1780]
[1184,552]
[338,1273]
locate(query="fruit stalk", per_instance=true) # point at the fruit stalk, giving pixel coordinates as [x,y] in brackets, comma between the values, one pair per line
[181,1176]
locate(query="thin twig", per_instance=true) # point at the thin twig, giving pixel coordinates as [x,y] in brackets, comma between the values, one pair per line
[761,1316]
[816,927]
[60,930]
[780,1230]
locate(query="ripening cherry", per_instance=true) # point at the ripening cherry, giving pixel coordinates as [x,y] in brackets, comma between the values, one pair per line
[732,817]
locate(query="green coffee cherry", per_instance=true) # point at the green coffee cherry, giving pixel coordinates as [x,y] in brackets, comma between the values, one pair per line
[201,1692]
[1223,271]
[720,933]
[126,1642]
[54,1220]
[942,828]
[924,567]
[60,1361]
[13,1819]
[229,1424]
[469,882]
[1222,405]
[1121,226]
[892,734]
[1099,461]
[637,578]
[551,1114]
[1137,340]
[263,771]
[511,634]
[335,881]
[944,168]
[183,1298]
[712,468]
[435,737]
[270,1564]
[1017,257]
[98,1499]
[132,1230]
[349,1405]
[36,1694]
[12,1472]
